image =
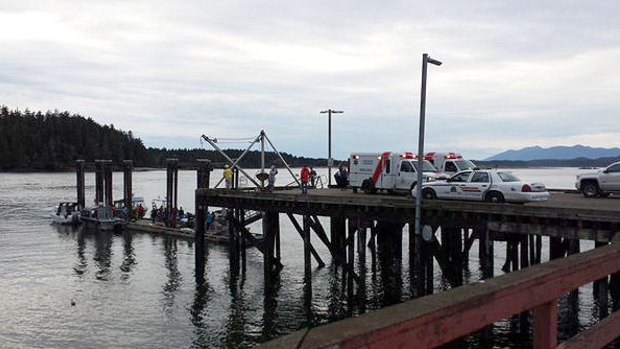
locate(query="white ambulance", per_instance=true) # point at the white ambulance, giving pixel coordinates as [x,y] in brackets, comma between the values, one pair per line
[449,163]
[389,171]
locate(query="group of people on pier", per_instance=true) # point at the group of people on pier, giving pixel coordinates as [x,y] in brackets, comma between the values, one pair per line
[308,177]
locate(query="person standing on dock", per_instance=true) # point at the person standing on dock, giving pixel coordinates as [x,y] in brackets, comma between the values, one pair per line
[305,178]
[271,180]
[312,177]
[228,175]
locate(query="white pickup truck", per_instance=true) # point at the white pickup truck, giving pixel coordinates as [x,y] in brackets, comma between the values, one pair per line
[601,183]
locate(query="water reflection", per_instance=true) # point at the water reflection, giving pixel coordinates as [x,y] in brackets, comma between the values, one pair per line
[390,268]
[201,332]
[103,254]
[174,276]
[82,262]
[77,232]
[129,256]
[270,309]
[307,301]
[237,322]
[202,297]
[336,308]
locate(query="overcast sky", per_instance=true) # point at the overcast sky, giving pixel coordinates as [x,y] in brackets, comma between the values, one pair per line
[515,73]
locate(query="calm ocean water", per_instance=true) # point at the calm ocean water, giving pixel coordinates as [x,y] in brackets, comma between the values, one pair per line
[138,290]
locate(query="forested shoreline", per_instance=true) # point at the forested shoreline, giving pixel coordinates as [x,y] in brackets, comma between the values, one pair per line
[52,141]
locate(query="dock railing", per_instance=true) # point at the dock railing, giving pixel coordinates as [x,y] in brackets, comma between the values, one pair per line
[439,319]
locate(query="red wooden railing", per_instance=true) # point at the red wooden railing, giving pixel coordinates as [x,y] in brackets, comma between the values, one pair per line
[439,319]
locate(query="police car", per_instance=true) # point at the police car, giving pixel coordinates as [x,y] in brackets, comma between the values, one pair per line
[484,185]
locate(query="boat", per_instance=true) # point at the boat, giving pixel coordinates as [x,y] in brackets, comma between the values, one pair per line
[102,217]
[137,208]
[67,213]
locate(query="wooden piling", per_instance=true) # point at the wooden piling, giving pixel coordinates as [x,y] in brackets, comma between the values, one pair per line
[271,227]
[307,247]
[524,251]
[233,240]
[127,184]
[99,181]
[80,183]
[172,183]
[555,248]
[107,178]
[350,244]
[203,178]
[337,234]
[243,241]
[486,253]
[203,174]
[361,256]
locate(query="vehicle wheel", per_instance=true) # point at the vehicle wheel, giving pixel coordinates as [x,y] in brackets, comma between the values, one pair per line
[589,189]
[355,189]
[368,186]
[495,197]
[429,194]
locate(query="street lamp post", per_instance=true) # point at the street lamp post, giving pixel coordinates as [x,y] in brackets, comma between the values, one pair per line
[330,161]
[418,197]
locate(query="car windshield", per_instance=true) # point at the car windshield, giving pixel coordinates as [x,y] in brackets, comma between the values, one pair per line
[465,165]
[508,177]
[428,167]
[460,177]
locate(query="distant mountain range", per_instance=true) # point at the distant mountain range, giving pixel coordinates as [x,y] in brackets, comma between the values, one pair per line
[555,153]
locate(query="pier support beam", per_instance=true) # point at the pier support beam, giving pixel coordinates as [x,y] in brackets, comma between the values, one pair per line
[338,239]
[389,251]
[80,183]
[486,252]
[361,256]
[172,185]
[307,223]
[233,240]
[307,249]
[127,184]
[271,228]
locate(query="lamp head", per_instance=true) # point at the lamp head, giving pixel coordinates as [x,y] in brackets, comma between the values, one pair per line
[433,61]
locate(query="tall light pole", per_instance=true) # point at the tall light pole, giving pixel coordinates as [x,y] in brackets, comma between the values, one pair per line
[330,161]
[418,197]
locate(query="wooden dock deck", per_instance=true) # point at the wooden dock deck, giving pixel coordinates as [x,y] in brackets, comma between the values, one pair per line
[567,215]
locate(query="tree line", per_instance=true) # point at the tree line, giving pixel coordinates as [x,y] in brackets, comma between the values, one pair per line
[52,141]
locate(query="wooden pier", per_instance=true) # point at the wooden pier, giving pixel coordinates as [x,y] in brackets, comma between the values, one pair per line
[565,219]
